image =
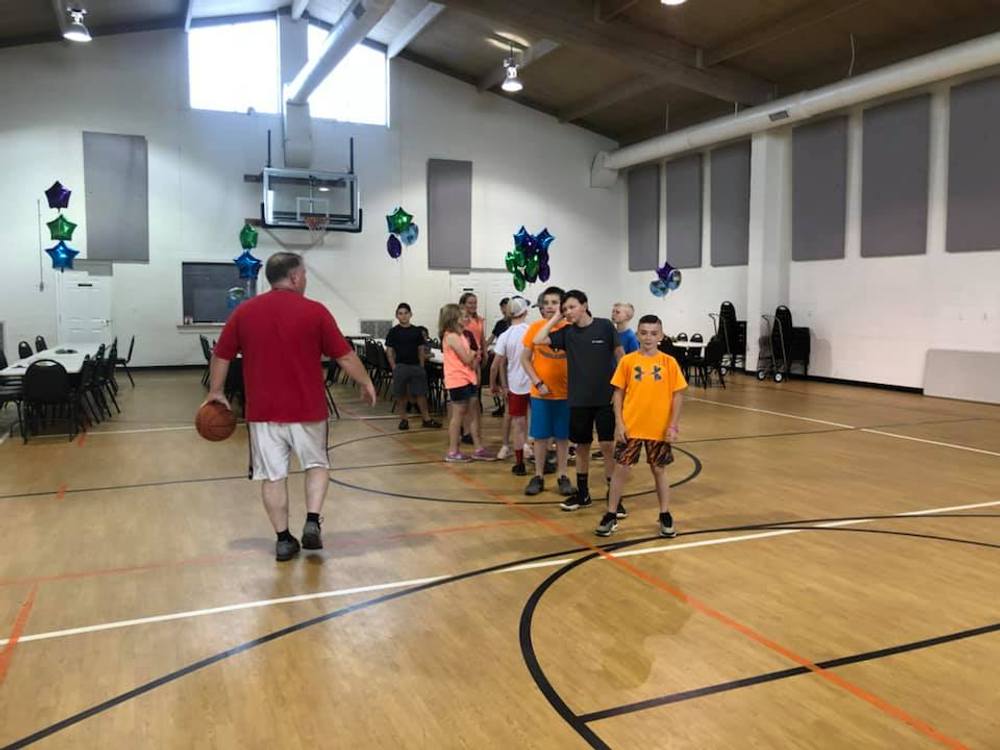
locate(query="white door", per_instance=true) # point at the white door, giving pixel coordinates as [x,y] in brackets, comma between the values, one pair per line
[84,308]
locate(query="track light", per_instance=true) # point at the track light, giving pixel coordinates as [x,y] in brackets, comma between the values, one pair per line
[511,83]
[673,2]
[76,31]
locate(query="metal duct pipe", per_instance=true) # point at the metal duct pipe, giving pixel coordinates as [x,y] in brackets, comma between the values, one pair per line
[918,71]
[353,26]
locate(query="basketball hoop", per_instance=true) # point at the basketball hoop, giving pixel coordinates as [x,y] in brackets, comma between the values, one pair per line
[316,224]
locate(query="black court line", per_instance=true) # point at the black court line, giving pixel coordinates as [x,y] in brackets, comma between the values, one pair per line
[842,661]
[579,721]
[296,627]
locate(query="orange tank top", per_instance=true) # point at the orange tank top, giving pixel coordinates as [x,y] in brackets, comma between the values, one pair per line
[456,372]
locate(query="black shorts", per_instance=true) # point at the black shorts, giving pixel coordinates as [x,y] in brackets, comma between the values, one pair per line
[583,419]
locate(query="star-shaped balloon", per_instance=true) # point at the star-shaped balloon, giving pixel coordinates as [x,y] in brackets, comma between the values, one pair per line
[62,256]
[544,239]
[520,238]
[57,195]
[248,265]
[410,234]
[248,237]
[393,246]
[398,220]
[669,276]
[659,288]
[61,228]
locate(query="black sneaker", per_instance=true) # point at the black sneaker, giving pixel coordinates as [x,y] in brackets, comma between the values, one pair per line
[432,423]
[404,424]
[286,549]
[311,538]
[577,501]
[621,512]
[608,524]
[519,470]
[667,526]
[565,486]
[535,486]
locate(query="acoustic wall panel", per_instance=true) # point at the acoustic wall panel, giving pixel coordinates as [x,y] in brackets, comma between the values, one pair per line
[684,211]
[819,190]
[894,178]
[449,214]
[116,180]
[974,167]
[731,205]
[644,218]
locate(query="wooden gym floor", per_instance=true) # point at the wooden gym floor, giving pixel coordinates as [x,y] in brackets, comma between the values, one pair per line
[834,585]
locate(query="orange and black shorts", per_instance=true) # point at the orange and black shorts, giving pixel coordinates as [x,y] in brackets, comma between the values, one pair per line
[658,452]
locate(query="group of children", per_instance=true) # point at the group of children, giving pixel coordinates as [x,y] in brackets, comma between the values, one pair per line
[577,374]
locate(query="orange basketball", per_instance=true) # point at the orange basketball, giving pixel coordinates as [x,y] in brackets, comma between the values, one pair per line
[214,421]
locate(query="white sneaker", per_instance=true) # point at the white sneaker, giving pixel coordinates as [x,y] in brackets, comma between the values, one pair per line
[503,453]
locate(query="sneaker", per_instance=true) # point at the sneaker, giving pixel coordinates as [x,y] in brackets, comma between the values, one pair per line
[577,501]
[536,485]
[503,453]
[404,424]
[286,549]
[565,486]
[608,524]
[467,440]
[311,536]
[431,423]
[481,454]
[456,458]
[519,470]
[667,526]
[621,512]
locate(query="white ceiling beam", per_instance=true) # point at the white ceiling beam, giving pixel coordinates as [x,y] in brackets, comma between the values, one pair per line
[414,28]
[611,97]
[188,16]
[532,54]
[298,8]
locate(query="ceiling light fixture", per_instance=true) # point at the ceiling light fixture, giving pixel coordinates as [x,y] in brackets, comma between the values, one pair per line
[673,2]
[75,31]
[511,83]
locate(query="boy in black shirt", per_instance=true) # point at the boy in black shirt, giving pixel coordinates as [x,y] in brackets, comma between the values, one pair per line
[592,352]
[404,348]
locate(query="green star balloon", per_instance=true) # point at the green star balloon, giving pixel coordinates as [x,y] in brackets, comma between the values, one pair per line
[398,220]
[61,228]
[248,237]
[519,282]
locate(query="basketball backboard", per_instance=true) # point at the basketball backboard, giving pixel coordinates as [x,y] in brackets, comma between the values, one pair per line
[291,196]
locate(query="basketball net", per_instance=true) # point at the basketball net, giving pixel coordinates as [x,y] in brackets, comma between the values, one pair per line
[316,224]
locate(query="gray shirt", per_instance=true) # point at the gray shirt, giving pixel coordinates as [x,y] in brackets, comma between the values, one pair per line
[590,354]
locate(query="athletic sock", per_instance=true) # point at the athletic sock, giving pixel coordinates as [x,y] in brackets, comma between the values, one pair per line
[581,484]
[284,536]
[312,517]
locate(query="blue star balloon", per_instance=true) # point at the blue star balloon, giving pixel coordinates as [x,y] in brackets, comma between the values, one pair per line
[62,256]
[410,234]
[521,237]
[658,288]
[544,239]
[248,265]
[57,195]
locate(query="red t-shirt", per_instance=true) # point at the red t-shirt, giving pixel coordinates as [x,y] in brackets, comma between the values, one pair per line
[282,336]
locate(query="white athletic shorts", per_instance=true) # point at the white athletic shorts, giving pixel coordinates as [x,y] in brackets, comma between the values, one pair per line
[272,443]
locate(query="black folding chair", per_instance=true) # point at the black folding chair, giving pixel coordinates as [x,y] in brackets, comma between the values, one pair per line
[40,345]
[24,350]
[119,362]
[47,395]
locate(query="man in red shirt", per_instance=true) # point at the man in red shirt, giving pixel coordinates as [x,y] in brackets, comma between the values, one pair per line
[282,336]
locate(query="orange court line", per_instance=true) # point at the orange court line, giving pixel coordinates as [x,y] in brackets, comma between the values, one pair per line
[883,705]
[7,653]
[61,491]
[82,439]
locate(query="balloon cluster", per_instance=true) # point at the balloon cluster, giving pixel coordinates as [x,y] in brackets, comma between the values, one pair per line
[529,260]
[401,227]
[667,280]
[248,265]
[60,228]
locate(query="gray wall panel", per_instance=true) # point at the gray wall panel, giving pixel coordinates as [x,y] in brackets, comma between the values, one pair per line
[684,211]
[644,218]
[115,174]
[449,214]
[974,167]
[819,190]
[894,178]
[731,205]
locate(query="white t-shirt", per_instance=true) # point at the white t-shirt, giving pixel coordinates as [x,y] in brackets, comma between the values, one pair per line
[510,345]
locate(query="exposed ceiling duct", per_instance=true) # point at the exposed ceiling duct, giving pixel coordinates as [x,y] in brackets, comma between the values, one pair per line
[983,52]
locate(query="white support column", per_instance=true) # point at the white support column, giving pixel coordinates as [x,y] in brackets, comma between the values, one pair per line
[770,231]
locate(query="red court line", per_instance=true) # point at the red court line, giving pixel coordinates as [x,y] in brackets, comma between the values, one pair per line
[834,679]
[61,491]
[82,439]
[15,634]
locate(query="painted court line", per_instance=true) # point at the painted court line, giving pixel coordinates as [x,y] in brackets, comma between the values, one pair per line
[9,644]
[931,442]
[773,413]
[416,582]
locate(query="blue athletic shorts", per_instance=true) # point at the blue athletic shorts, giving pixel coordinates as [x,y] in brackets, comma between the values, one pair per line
[549,419]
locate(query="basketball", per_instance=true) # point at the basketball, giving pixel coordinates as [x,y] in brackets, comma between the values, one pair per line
[215,422]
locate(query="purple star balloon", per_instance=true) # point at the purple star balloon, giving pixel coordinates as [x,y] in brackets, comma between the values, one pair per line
[57,195]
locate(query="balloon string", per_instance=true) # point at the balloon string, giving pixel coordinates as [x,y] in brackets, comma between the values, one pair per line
[41,282]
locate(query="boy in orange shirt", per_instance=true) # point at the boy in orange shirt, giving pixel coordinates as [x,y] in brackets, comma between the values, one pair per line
[647,403]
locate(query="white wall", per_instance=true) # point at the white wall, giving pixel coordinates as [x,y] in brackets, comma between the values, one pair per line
[527,169]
